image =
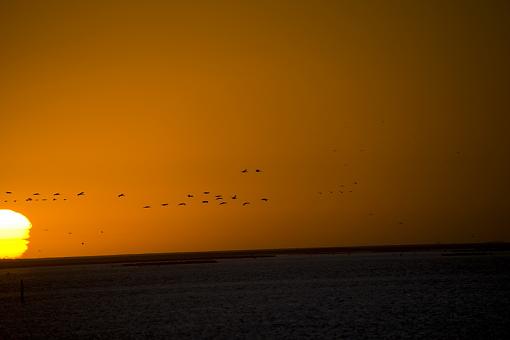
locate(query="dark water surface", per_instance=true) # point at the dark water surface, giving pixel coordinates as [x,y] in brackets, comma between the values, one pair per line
[422,295]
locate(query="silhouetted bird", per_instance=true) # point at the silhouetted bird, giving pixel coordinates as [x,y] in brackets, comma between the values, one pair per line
[44,199]
[205,202]
[147,207]
[244,171]
[223,203]
[83,243]
[265,199]
[121,195]
[258,170]
[81,194]
[164,204]
[207,192]
[54,199]
[246,203]
[56,194]
[8,192]
[190,195]
[219,198]
[28,199]
[36,194]
[65,199]
[182,203]
[234,197]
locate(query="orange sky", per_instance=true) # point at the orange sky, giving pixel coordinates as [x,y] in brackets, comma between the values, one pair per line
[159,99]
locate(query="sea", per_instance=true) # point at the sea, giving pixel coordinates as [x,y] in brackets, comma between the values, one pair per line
[415,295]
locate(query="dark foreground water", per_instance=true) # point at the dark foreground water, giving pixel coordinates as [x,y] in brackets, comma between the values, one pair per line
[423,295]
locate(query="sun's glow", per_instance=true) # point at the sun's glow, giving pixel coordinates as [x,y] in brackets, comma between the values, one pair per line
[14,234]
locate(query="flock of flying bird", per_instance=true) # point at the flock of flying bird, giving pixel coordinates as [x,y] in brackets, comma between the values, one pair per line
[206,198]
[30,199]
[220,198]
[36,197]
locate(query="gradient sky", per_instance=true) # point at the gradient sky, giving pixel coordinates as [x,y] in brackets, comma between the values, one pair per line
[158,99]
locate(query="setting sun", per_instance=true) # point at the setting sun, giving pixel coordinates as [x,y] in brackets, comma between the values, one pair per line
[14,233]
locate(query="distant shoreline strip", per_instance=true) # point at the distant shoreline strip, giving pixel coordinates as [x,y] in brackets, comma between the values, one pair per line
[466,249]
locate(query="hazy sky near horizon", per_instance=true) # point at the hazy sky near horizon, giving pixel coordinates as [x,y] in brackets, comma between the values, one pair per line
[158,99]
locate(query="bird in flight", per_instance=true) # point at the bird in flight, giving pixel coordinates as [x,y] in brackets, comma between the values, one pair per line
[190,195]
[147,207]
[182,203]
[8,192]
[37,194]
[223,203]
[56,194]
[83,243]
[205,202]
[28,199]
[121,195]
[164,204]
[246,203]
[258,170]
[244,171]
[234,197]
[265,199]
[207,192]
[81,193]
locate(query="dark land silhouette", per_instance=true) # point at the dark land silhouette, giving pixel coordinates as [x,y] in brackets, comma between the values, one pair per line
[454,249]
